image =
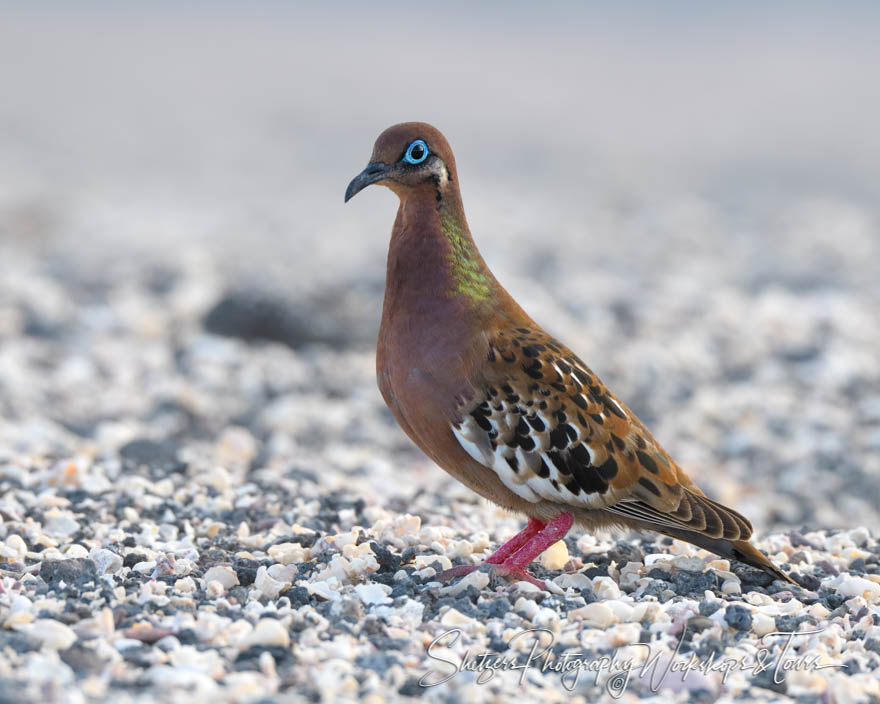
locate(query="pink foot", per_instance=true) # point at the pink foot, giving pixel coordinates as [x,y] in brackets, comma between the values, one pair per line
[511,573]
[519,575]
[460,571]
[512,558]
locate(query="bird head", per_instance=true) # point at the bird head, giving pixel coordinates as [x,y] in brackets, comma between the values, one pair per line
[407,157]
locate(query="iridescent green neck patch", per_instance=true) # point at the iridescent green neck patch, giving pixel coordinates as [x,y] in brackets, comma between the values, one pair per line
[469,275]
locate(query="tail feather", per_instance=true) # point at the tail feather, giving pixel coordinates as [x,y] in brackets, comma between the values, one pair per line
[741,550]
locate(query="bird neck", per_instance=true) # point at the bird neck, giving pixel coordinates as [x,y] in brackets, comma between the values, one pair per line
[432,253]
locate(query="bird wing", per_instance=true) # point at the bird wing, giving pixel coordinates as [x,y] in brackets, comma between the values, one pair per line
[552,431]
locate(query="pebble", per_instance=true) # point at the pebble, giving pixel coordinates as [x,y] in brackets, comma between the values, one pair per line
[185,584]
[268,632]
[478,580]
[691,564]
[222,574]
[738,617]
[762,624]
[50,633]
[731,587]
[287,553]
[622,611]
[454,617]
[556,556]
[60,524]
[606,588]
[16,546]
[597,615]
[858,586]
[578,581]
[373,593]
[106,561]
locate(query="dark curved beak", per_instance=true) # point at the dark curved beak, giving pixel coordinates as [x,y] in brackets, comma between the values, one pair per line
[374,172]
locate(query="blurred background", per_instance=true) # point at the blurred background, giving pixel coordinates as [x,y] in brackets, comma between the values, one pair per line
[687,196]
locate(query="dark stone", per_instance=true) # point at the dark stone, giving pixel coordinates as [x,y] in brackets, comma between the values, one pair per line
[36,325]
[790,623]
[299,596]
[159,456]
[83,428]
[852,667]
[752,576]
[246,571]
[18,642]
[623,552]
[798,540]
[596,571]
[656,588]
[709,647]
[187,637]
[872,644]
[403,587]
[383,643]
[830,599]
[73,572]
[686,582]
[698,624]
[133,558]
[378,662]
[334,319]
[463,605]
[239,593]
[304,475]
[807,581]
[707,608]
[82,660]
[765,680]
[496,607]
[411,688]
[77,496]
[139,657]
[386,559]
[827,568]
[249,659]
[738,617]
[800,354]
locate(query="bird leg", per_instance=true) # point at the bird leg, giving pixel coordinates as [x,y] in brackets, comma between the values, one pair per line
[515,565]
[500,555]
[512,558]
[516,542]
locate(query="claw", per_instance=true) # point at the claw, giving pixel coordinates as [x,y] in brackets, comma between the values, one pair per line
[518,575]
[452,573]
[514,574]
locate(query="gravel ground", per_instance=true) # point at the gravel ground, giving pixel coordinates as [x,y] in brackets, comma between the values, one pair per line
[202,495]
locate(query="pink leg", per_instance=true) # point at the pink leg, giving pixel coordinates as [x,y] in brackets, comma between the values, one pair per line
[516,542]
[552,533]
[512,558]
[501,554]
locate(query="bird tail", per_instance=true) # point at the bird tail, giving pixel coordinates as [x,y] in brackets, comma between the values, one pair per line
[741,550]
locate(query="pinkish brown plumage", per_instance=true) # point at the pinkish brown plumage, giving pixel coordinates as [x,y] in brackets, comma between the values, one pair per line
[498,403]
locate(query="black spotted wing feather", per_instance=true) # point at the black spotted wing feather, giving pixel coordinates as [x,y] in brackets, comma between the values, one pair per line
[552,431]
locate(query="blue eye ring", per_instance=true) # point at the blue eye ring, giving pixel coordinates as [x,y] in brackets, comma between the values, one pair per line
[416,152]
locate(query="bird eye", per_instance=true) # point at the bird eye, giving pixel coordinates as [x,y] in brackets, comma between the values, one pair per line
[416,152]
